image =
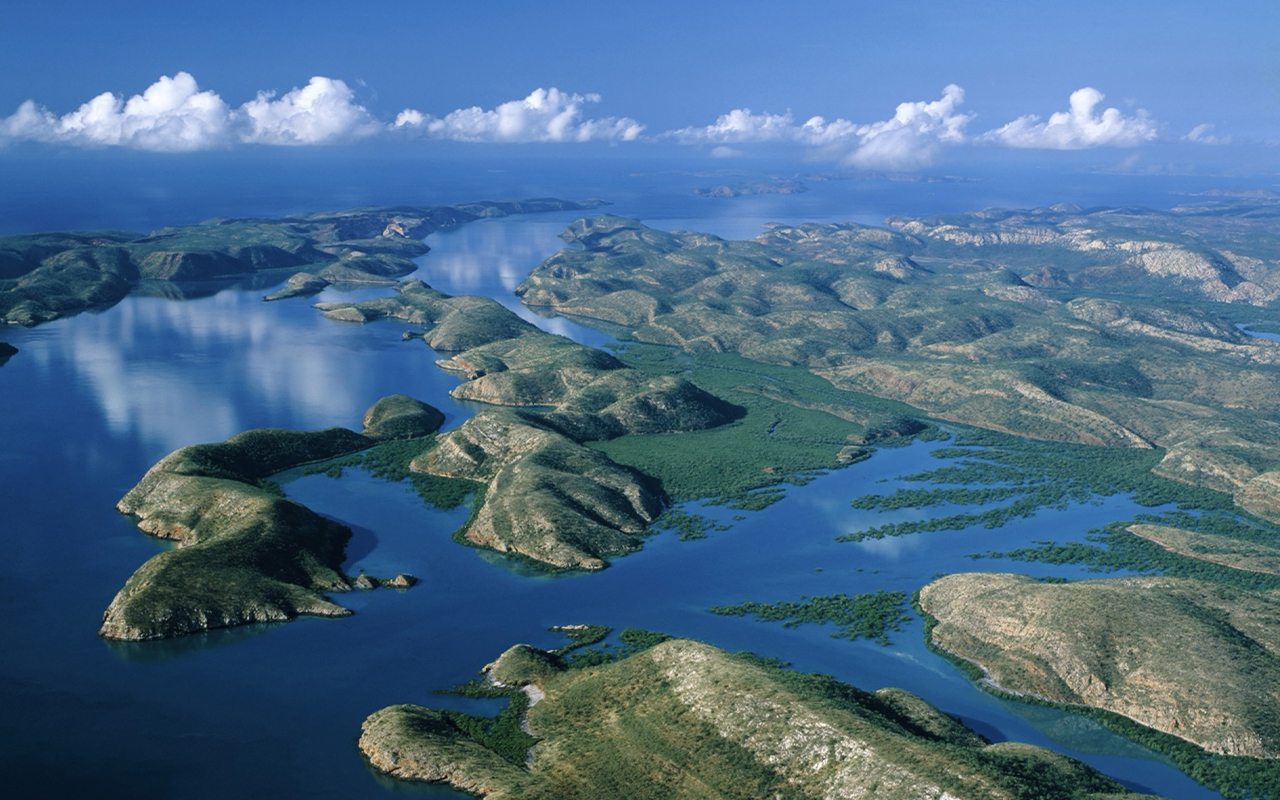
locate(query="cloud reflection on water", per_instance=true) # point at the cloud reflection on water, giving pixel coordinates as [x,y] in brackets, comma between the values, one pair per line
[175,372]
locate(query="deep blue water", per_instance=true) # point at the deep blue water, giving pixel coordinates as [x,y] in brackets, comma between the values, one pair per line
[92,401]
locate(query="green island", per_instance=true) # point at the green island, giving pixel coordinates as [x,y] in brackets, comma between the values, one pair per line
[668,720]
[45,276]
[988,468]
[548,497]
[244,553]
[750,187]
[871,615]
[1185,666]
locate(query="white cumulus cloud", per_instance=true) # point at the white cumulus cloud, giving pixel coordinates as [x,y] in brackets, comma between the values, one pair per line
[546,115]
[738,126]
[172,114]
[322,112]
[913,137]
[1079,128]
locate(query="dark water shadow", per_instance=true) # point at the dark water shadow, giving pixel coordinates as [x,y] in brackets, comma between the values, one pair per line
[989,732]
[1080,733]
[363,541]
[162,650]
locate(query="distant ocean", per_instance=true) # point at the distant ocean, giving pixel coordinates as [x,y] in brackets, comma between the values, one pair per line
[44,189]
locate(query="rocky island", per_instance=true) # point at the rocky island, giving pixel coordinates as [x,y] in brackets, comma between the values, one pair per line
[549,498]
[245,554]
[48,275]
[682,719]
[752,187]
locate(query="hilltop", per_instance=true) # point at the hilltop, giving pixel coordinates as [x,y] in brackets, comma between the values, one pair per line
[1193,659]
[953,317]
[686,720]
[244,553]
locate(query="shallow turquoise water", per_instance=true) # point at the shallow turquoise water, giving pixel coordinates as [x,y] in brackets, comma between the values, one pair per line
[92,401]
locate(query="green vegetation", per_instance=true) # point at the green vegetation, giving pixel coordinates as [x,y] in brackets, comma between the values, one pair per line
[958,317]
[1034,475]
[794,428]
[580,636]
[245,553]
[686,526]
[390,460]
[669,722]
[1172,634]
[1114,548]
[869,616]
[501,733]
[399,416]
[630,642]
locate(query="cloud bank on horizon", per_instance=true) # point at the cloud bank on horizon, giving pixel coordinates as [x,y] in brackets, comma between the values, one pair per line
[175,115]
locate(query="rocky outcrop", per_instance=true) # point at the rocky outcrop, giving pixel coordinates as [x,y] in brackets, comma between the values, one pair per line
[399,416]
[549,498]
[686,720]
[594,395]
[1261,496]
[1196,660]
[458,323]
[523,664]
[245,554]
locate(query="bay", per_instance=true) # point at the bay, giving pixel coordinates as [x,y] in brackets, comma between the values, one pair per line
[92,401]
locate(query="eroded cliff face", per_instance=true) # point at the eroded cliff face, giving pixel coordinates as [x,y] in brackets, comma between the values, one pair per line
[1196,660]
[686,720]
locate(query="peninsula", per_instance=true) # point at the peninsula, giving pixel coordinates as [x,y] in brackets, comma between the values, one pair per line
[245,554]
[682,719]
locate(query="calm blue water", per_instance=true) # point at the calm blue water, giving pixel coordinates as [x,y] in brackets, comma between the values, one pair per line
[91,402]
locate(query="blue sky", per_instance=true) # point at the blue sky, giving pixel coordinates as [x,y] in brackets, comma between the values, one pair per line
[905,85]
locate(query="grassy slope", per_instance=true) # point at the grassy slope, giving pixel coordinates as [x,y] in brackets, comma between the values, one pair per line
[1234,553]
[245,554]
[670,722]
[968,339]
